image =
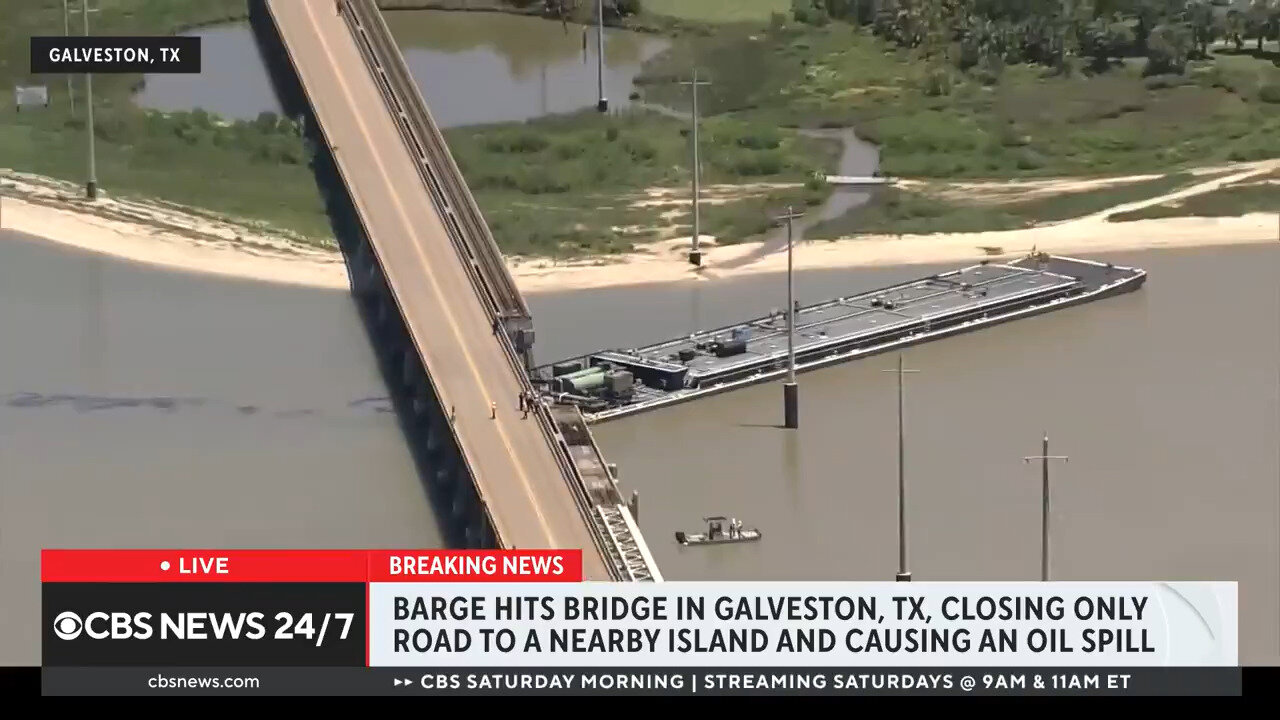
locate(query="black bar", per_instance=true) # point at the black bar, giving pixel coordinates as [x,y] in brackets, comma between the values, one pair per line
[938,682]
[19,681]
[114,54]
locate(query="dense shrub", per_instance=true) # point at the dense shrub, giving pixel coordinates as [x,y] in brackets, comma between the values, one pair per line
[516,142]
[763,139]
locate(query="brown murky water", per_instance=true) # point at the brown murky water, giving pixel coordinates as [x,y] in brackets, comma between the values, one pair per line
[1167,402]
[141,408]
[146,409]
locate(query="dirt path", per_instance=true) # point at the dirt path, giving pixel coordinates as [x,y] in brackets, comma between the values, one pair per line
[1002,191]
[1245,173]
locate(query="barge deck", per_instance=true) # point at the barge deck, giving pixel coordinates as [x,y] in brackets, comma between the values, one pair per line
[616,383]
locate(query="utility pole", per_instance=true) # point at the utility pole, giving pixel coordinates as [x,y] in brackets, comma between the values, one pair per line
[1044,459]
[904,575]
[91,187]
[790,390]
[66,31]
[602,104]
[695,255]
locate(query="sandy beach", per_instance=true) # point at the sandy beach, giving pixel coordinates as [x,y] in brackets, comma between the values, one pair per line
[187,239]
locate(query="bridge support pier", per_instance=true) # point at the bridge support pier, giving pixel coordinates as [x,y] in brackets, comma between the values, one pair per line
[791,405]
[435,442]
[421,408]
[479,534]
[463,498]
[443,476]
[411,369]
[363,271]
[381,311]
[373,280]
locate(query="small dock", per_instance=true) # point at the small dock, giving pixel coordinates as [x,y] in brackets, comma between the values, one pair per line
[619,382]
[859,180]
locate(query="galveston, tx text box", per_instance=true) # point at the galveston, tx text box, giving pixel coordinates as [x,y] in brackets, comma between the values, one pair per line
[114,54]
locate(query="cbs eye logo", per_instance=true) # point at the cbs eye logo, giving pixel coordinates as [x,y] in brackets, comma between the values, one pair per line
[68,626]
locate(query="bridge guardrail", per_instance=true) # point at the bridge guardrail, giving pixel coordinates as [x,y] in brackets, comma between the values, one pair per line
[374,38]
[460,206]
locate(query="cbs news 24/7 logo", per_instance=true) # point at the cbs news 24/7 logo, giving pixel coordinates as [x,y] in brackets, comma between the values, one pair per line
[203,626]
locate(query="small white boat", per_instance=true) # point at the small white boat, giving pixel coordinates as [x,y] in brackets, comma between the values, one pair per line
[718,534]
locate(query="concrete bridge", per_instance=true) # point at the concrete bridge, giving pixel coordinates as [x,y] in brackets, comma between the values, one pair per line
[444,307]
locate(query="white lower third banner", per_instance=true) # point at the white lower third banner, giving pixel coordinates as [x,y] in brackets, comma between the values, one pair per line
[803,624]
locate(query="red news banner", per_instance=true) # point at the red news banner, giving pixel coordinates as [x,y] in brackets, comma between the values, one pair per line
[285,608]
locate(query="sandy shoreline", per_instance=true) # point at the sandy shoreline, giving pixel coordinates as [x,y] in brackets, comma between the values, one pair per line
[187,240]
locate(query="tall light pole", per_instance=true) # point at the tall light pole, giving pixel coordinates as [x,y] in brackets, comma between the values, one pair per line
[695,255]
[1044,459]
[66,31]
[603,103]
[790,390]
[904,574]
[91,187]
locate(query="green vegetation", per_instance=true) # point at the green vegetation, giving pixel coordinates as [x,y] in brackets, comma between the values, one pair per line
[560,186]
[256,169]
[944,104]
[944,122]
[718,11]
[955,89]
[1230,201]
[565,185]
[970,33]
[906,211]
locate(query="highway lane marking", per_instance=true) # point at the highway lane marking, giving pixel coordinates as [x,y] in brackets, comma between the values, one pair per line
[404,219]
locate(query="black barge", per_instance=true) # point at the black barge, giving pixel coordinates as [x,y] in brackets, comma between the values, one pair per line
[615,383]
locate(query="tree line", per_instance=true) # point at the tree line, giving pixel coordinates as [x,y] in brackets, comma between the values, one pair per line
[581,9]
[1168,33]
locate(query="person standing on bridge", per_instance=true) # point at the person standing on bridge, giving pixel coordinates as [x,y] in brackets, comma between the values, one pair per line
[493,410]
[522,405]
[526,402]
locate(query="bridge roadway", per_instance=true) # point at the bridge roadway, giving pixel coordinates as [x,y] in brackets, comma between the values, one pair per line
[511,460]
